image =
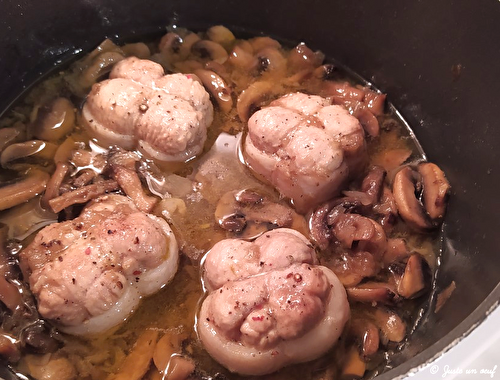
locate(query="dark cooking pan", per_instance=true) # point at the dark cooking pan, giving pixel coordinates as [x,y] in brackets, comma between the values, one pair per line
[437,61]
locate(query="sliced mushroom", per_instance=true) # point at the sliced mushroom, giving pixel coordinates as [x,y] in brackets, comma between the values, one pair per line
[99,67]
[168,345]
[352,267]
[54,184]
[23,189]
[54,120]
[386,209]
[249,214]
[374,101]
[416,277]
[367,334]
[65,150]
[436,190]
[373,183]
[325,72]
[326,216]
[9,349]
[368,234]
[396,251]
[34,149]
[368,121]
[221,35]
[260,43]
[138,49]
[131,184]
[373,292]
[137,362]
[303,58]
[82,195]
[353,366]
[405,185]
[12,135]
[209,50]
[254,97]
[242,58]
[271,59]
[218,88]
[390,323]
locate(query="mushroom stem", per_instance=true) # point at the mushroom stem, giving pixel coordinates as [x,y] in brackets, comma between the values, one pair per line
[131,184]
[32,185]
[54,183]
[82,195]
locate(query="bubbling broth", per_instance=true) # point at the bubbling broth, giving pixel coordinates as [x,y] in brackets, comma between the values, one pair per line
[378,232]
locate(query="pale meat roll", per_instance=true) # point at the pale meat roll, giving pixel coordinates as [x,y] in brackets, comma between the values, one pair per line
[88,274]
[305,147]
[165,116]
[269,305]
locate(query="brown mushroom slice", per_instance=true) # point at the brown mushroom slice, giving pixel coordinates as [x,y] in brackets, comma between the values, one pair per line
[375,102]
[353,366]
[178,46]
[82,195]
[138,49]
[23,189]
[253,97]
[396,251]
[250,214]
[99,67]
[373,292]
[415,278]
[130,183]
[54,120]
[352,268]
[217,87]
[54,184]
[325,72]
[137,362]
[9,349]
[34,149]
[260,43]
[303,58]
[221,35]
[391,324]
[168,345]
[436,189]
[271,59]
[367,334]
[368,121]
[387,209]
[12,135]
[243,59]
[209,50]
[373,183]
[369,234]
[409,207]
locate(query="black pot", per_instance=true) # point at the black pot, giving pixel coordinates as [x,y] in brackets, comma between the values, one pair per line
[438,61]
